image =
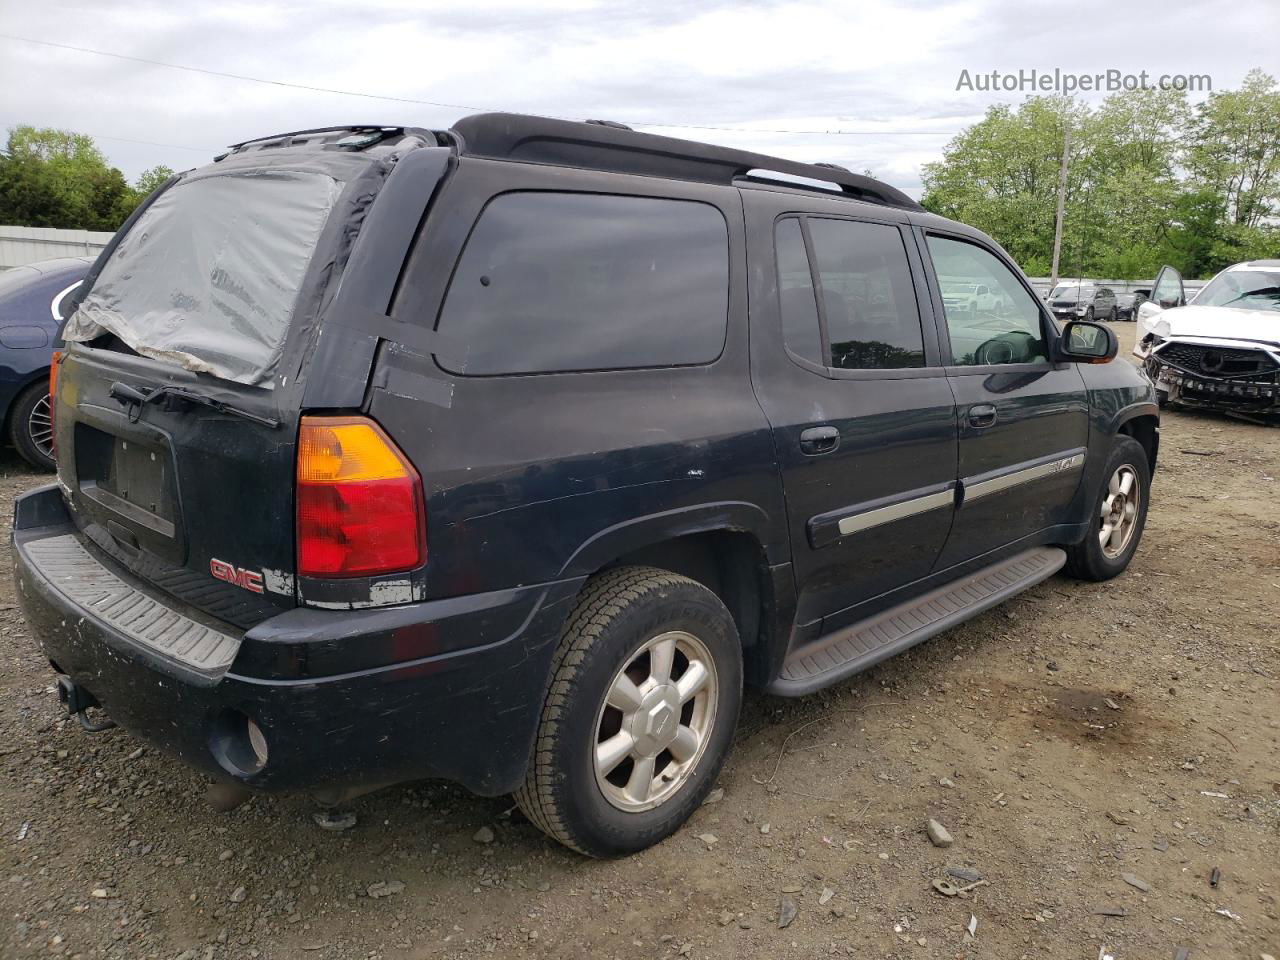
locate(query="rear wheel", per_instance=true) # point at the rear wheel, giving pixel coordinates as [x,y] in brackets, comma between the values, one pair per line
[31,427]
[640,714]
[1118,516]
[1112,316]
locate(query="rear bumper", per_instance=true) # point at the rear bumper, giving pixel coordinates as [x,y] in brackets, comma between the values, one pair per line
[450,688]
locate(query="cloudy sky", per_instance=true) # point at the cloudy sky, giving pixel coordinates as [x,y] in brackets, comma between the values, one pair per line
[870,85]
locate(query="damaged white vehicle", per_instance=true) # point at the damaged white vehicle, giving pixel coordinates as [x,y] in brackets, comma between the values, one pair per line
[1221,351]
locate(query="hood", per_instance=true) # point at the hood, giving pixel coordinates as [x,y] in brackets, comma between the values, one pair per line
[1216,323]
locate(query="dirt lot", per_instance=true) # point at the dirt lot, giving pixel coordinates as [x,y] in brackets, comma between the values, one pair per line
[1077,734]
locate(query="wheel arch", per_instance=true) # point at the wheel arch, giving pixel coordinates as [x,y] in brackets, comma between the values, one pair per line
[1141,421]
[722,546]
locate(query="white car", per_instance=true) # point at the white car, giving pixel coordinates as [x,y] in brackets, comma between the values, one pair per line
[1221,351]
[970,298]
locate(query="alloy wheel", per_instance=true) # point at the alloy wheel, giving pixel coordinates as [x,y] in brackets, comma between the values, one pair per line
[40,427]
[1119,511]
[656,719]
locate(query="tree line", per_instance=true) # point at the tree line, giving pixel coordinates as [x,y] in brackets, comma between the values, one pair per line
[55,178]
[1152,179]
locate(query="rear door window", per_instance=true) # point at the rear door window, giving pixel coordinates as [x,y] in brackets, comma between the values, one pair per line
[552,282]
[868,299]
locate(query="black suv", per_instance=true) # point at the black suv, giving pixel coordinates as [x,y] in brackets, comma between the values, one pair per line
[507,454]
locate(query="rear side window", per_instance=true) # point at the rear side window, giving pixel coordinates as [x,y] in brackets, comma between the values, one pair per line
[796,300]
[552,282]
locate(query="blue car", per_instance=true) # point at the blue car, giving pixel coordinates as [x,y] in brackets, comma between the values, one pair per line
[30,298]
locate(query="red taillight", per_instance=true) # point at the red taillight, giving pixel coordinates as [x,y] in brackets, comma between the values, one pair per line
[360,507]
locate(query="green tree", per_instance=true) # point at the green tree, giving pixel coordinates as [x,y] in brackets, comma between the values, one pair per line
[1133,144]
[1151,180]
[1001,175]
[56,178]
[1235,148]
[150,179]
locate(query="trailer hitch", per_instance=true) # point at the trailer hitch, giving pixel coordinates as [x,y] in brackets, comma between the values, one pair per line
[78,700]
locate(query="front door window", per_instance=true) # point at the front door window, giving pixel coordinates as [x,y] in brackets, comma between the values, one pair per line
[991,318]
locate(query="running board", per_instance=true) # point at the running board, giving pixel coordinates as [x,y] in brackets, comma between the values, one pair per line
[855,648]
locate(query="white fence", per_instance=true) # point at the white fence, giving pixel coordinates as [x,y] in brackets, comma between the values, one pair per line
[22,245]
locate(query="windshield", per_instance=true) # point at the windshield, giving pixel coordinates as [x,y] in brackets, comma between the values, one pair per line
[208,275]
[1065,293]
[1243,289]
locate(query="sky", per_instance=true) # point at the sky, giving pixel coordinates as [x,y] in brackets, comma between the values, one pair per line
[869,85]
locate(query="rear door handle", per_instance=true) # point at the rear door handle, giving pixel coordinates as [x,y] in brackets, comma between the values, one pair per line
[819,440]
[982,415]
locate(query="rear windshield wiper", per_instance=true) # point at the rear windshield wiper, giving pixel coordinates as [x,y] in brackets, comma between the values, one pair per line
[140,398]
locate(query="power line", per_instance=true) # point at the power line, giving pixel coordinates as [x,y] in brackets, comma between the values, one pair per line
[448,106]
[153,143]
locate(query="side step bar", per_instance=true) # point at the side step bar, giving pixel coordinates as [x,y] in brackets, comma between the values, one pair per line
[852,649]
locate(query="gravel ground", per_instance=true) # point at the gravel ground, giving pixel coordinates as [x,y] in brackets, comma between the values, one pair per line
[1079,734]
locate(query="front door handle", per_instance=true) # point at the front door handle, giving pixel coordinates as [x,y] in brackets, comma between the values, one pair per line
[982,415]
[818,440]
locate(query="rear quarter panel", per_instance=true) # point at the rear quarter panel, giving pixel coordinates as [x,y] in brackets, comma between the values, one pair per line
[536,478]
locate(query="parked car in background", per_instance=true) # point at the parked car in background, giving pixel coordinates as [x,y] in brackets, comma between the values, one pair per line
[1221,350]
[964,297]
[507,454]
[30,299]
[1127,304]
[1082,301]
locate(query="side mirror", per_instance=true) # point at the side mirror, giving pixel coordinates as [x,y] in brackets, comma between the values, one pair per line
[1085,342]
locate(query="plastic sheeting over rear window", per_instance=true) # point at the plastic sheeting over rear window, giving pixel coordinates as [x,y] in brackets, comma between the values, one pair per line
[209,275]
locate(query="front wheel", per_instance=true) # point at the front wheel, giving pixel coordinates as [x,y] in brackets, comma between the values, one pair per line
[31,427]
[1088,315]
[640,714]
[1118,516]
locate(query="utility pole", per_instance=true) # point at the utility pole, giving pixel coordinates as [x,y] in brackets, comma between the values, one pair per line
[1062,202]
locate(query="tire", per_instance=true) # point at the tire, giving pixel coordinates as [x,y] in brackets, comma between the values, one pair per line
[1088,314]
[30,429]
[1111,318]
[1162,399]
[620,616]
[1090,559]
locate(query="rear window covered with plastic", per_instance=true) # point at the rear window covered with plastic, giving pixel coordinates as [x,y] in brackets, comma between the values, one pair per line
[208,277]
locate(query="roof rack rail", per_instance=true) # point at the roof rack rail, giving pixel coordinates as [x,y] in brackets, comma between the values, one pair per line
[613,147]
[382,130]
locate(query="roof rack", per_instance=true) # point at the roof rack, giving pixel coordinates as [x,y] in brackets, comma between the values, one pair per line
[330,136]
[607,146]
